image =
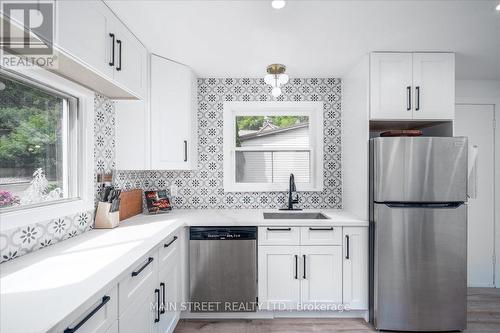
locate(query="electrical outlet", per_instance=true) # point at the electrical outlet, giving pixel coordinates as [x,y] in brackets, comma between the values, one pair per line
[173,190]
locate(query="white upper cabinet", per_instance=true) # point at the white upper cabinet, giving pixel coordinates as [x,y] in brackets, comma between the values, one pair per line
[132,135]
[82,31]
[89,32]
[412,86]
[391,82]
[434,85]
[355,267]
[131,60]
[173,116]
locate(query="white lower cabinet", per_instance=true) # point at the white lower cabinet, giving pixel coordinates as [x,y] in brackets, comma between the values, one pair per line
[150,291]
[333,271]
[170,298]
[95,316]
[355,267]
[279,283]
[321,274]
[140,315]
[170,284]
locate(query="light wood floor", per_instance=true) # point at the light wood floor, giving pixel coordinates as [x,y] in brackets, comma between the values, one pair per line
[483,316]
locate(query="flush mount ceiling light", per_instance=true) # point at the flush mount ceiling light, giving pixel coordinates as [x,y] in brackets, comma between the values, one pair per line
[278,4]
[498,7]
[276,77]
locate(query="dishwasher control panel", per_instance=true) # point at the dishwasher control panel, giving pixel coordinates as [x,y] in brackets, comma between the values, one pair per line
[222,233]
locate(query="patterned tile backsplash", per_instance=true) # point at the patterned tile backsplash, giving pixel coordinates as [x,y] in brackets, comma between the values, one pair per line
[19,241]
[203,188]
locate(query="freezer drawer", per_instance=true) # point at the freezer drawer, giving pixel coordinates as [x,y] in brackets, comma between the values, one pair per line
[419,169]
[420,269]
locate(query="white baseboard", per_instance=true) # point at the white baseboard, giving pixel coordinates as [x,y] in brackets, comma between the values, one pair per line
[276,314]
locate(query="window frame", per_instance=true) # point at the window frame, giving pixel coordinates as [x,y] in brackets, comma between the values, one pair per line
[313,110]
[81,154]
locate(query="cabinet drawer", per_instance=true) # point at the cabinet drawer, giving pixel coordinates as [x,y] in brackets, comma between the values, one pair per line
[169,251]
[324,235]
[279,235]
[139,280]
[95,316]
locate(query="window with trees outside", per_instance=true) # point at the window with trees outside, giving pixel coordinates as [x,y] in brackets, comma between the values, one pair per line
[37,144]
[265,142]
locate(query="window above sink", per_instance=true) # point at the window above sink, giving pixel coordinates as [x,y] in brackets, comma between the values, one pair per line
[264,142]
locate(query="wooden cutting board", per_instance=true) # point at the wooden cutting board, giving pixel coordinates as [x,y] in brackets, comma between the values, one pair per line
[130,203]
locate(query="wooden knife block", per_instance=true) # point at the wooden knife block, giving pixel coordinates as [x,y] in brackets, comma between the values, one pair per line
[130,203]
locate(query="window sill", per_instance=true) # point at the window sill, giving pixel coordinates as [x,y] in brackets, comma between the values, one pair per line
[28,216]
[264,187]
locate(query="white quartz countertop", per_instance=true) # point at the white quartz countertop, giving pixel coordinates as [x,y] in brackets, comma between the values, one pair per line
[39,290]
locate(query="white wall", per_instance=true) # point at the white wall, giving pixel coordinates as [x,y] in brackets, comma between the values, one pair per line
[355,136]
[486,92]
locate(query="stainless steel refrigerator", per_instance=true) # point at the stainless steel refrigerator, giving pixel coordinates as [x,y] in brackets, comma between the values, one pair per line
[418,233]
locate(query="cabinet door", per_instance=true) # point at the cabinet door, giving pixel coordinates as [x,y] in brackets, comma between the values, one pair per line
[321,274]
[103,312]
[132,135]
[141,315]
[173,116]
[391,86]
[355,267]
[82,31]
[434,86]
[131,61]
[279,277]
[170,289]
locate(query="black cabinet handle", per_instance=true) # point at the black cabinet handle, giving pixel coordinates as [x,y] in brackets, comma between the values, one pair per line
[112,60]
[408,102]
[137,272]
[185,151]
[279,229]
[170,243]
[347,246]
[304,274]
[321,229]
[157,292]
[296,267]
[417,98]
[104,300]
[162,286]
[119,67]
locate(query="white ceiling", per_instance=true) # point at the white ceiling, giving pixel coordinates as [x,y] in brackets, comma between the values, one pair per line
[313,38]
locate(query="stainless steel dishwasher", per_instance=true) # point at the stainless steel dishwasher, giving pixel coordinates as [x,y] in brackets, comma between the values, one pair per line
[223,269]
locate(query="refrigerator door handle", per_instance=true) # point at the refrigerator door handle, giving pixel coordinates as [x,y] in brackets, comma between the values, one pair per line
[453,204]
[472,174]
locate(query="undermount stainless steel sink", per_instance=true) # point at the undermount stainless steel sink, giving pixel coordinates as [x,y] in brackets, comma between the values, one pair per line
[295,216]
